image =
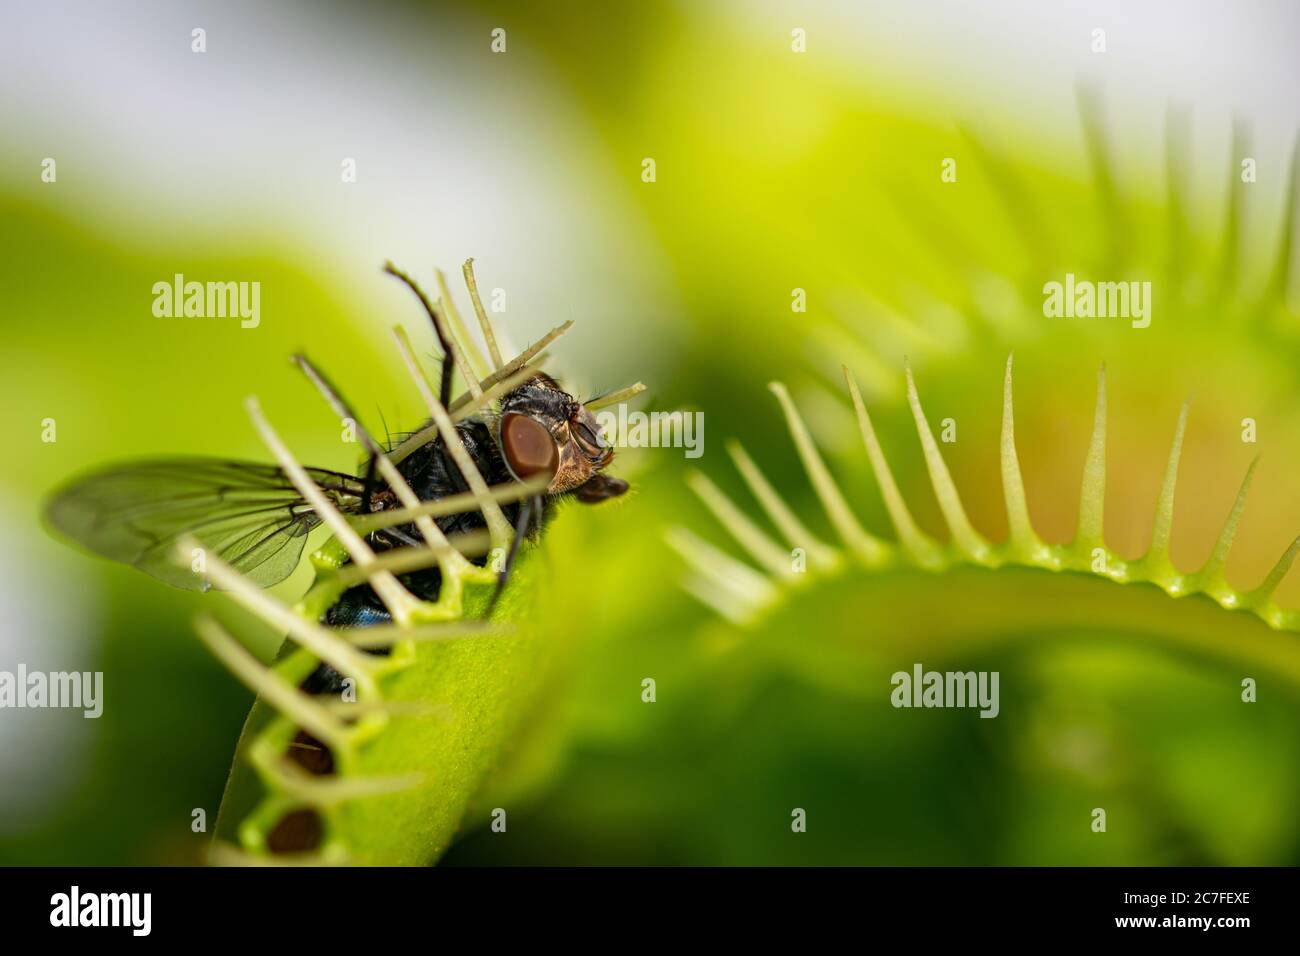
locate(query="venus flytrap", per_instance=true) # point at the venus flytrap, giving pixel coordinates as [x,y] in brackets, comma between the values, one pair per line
[383,770]
[283,820]
[744,594]
[867,547]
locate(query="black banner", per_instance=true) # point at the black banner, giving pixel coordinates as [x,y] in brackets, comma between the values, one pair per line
[328,906]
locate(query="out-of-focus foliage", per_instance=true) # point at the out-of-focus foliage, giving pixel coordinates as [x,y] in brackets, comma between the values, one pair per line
[773,173]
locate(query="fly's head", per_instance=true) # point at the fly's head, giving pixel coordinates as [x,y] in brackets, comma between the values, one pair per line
[545,431]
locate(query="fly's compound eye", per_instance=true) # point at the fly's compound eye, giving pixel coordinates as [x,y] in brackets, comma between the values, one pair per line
[592,442]
[528,447]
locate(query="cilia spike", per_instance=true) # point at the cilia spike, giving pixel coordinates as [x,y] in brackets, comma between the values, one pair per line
[744,598]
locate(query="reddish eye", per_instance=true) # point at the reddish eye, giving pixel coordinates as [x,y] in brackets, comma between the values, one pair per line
[592,442]
[528,447]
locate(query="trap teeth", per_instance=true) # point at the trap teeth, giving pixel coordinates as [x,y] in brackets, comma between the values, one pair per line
[740,591]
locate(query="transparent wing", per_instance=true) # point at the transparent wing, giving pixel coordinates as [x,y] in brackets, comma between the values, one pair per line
[248,514]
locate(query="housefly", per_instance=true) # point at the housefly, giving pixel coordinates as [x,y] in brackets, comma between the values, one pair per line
[255,519]
[252,517]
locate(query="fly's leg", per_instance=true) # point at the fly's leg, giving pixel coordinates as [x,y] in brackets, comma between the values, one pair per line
[526,509]
[394,536]
[448,357]
[370,484]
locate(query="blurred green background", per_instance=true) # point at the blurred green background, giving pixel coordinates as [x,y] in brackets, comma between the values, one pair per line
[775,170]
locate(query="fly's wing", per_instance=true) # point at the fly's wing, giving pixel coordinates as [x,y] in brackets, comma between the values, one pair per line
[248,514]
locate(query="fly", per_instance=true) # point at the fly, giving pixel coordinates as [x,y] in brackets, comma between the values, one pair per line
[253,518]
